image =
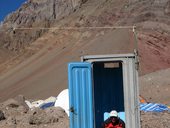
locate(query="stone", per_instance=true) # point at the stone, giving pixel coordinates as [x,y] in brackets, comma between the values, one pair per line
[11,103]
[48,116]
[2,116]
[21,101]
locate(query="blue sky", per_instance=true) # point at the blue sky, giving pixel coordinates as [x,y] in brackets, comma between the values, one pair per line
[7,6]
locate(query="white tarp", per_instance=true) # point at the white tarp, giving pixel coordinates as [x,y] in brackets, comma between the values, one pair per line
[34,104]
[63,101]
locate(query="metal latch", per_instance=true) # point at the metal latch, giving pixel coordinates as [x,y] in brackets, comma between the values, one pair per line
[71,109]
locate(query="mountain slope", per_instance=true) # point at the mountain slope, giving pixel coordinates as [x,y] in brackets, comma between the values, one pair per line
[34,13]
[155,86]
[45,72]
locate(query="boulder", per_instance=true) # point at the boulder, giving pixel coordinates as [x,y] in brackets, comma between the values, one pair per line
[48,116]
[12,103]
[2,116]
[39,117]
[21,101]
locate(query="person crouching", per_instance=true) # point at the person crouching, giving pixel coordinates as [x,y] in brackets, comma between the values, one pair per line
[113,121]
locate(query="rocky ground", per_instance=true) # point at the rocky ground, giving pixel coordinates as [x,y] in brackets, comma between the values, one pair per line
[155,120]
[14,113]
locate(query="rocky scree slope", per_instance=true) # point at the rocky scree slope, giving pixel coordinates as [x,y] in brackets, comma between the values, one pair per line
[16,35]
[153,22]
[58,47]
[63,46]
[150,16]
[33,14]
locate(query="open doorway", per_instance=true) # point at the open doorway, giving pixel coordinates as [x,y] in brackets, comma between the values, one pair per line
[108,89]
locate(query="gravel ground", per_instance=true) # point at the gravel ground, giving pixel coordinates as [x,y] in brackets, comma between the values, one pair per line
[15,114]
[155,120]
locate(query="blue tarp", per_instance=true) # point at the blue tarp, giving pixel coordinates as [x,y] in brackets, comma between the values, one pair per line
[47,105]
[153,107]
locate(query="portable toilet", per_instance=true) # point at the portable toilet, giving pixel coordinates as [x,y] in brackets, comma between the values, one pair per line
[101,83]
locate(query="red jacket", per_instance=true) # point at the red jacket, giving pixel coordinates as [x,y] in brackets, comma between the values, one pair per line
[109,124]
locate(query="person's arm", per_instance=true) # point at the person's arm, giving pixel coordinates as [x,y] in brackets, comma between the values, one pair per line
[122,122]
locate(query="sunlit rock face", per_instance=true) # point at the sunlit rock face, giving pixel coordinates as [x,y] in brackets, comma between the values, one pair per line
[33,13]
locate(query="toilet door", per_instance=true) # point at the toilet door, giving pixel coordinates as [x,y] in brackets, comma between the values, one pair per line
[80,95]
